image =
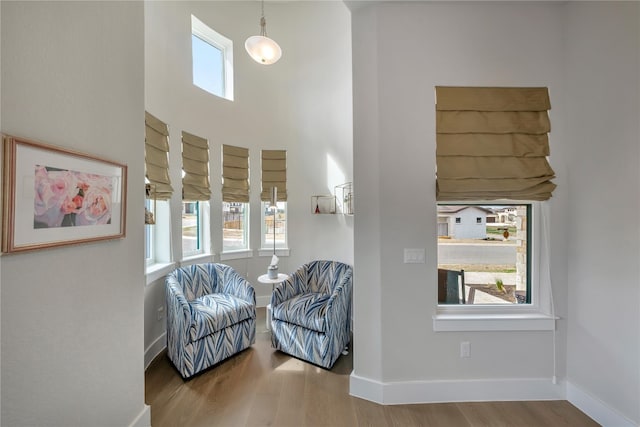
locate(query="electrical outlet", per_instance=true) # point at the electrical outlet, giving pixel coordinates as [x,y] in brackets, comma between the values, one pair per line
[160,313]
[465,349]
[414,256]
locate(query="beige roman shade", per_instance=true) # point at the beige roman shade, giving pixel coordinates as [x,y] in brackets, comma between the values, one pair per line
[235,174]
[195,165]
[156,157]
[492,143]
[274,174]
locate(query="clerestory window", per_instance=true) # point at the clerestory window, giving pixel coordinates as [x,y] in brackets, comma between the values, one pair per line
[212,55]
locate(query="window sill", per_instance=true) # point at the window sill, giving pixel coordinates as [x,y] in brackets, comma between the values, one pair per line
[506,321]
[196,259]
[245,253]
[269,252]
[157,271]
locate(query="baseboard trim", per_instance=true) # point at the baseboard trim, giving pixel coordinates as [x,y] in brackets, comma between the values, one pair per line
[595,408]
[366,388]
[143,419]
[408,392]
[263,301]
[154,349]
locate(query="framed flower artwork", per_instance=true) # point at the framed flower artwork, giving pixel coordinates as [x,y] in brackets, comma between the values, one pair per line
[53,196]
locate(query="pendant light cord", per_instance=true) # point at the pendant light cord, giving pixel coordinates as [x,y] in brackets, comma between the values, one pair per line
[263,22]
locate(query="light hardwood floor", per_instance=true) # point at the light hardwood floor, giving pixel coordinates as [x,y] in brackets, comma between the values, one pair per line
[262,387]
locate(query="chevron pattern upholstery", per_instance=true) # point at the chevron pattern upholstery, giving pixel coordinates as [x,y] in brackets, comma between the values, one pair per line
[211,315]
[311,312]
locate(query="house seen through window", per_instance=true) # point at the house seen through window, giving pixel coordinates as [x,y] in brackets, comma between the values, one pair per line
[490,244]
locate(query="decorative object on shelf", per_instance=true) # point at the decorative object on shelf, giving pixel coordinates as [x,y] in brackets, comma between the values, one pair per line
[339,202]
[261,48]
[150,193]
[323,204]
[55,197]
[272,270]
[344,197]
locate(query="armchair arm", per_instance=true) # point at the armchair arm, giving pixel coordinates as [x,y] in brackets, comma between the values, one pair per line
[236,285]
[178,310]
[296,284]
[339,303]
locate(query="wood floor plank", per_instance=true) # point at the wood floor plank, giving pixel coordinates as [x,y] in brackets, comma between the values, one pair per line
[369,414]
[264,387]
[291,407]
[445,414]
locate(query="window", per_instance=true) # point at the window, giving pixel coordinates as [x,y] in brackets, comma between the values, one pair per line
[492,144]
[192,229]
[458,220]
[235,229]
[157,246]
[149,255]
[212,56]
[271,232]
[495,257]
[158,191]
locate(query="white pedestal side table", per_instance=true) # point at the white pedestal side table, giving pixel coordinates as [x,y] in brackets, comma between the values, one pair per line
[264,279]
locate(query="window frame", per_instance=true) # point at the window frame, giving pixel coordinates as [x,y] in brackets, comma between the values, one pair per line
[210,36]
[536,315]
[244,252]
[149,237]
[201,231]
[266,247]
[162,262]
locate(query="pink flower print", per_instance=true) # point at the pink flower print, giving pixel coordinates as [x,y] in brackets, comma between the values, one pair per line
[54,192]
[96,207]
[78,201]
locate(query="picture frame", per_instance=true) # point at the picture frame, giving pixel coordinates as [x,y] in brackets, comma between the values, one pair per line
[53,196]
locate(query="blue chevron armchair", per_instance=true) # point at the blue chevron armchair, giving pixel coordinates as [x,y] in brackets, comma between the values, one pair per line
[211,315]
[311,312]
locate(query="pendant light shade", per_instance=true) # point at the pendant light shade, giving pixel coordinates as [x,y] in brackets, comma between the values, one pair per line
[261,48]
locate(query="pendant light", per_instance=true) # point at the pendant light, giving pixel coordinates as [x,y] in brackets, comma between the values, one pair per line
[261,48]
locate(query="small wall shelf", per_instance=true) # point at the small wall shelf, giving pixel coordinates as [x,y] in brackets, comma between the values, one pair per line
[323,204]
[341,201]
[344,198]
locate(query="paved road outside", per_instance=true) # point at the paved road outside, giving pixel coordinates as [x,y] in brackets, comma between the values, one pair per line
[471,253]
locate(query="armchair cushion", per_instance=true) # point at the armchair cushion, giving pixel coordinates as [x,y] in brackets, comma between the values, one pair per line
[307,310]
[213,312]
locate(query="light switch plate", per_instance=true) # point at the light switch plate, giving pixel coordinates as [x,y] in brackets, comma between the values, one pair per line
[414,256]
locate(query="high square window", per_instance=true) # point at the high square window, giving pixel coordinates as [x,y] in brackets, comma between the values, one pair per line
[212,55]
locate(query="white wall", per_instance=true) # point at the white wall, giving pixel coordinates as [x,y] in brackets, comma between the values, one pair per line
[72,324]
[587,54]
[401,52]
[603,89]
[301,104]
